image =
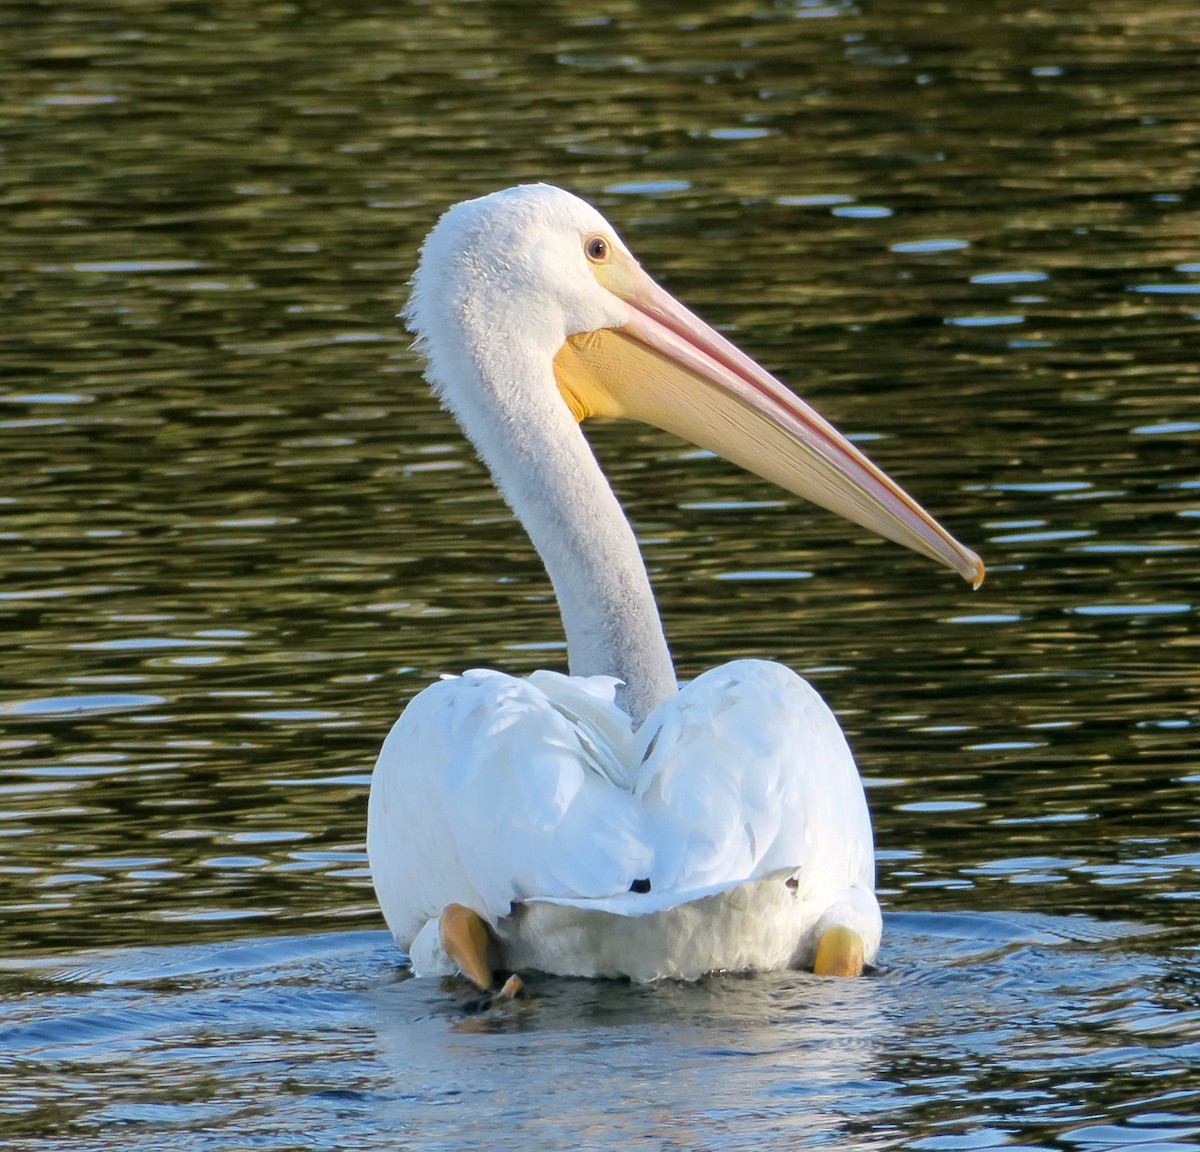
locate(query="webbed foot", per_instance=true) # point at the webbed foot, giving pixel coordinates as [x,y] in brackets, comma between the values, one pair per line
[511,995]
[512,989]
[839,953]
[465,939]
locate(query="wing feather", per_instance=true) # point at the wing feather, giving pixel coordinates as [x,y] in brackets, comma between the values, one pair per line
[493,790]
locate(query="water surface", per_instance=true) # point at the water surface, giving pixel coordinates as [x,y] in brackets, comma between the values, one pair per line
[236,535]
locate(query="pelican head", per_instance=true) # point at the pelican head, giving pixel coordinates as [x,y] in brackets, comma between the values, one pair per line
[533,276]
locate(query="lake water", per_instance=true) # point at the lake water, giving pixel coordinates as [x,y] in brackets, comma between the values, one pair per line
[236,535]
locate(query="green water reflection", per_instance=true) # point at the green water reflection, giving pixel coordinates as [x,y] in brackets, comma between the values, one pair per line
[236,534]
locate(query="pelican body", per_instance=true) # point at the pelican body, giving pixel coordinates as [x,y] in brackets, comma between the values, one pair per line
[611,822]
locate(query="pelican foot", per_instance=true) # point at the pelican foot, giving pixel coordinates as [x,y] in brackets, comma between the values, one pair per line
[839,953]
[465,938]
[513,989]
[512,996]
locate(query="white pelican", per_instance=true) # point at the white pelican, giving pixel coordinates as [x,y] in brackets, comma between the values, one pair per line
[611,822]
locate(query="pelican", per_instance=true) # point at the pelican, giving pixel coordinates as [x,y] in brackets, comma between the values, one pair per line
[612,822]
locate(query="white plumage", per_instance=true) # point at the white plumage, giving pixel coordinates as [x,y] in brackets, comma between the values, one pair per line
[537,791]
[608,823]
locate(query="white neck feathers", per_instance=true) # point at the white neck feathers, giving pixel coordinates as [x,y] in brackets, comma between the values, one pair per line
[491,361]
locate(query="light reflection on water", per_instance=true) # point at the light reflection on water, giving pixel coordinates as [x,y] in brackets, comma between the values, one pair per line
[236,534]
[979,1031]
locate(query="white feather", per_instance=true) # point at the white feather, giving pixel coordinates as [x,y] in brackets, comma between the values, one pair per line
[488,793]
[543,803]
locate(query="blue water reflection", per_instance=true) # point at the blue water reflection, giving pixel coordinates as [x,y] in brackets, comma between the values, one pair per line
[977,1031]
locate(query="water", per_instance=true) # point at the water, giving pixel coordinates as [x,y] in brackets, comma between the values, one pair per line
[236,535]
[979,1032]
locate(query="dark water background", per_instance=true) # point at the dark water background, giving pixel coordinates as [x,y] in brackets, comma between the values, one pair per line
[236,535]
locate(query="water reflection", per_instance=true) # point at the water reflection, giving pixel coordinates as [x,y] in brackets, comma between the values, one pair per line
[236,534]
[980,1031]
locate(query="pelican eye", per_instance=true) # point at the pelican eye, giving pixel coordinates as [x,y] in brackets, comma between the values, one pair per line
[596,248]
